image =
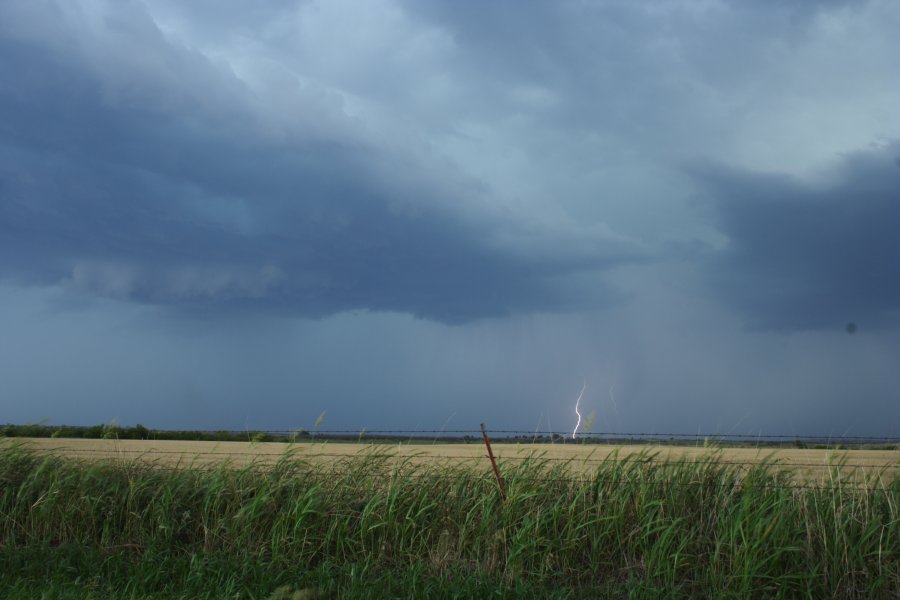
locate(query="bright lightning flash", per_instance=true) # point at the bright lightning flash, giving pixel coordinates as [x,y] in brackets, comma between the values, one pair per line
[577,402]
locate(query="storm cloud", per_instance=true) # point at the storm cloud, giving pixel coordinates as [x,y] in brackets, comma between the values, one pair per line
[811,254]
[409,213]
[150,174]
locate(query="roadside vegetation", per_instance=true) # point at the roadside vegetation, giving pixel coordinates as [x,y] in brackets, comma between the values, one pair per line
[370,527]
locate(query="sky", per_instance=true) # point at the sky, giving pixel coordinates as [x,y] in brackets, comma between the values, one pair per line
[428,214]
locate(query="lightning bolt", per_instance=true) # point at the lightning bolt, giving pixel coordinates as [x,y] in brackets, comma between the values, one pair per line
[577,402]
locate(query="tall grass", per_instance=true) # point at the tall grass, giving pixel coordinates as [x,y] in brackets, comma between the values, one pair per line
[374,527]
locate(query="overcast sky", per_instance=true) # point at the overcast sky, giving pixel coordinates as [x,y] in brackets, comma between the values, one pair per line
[432,213]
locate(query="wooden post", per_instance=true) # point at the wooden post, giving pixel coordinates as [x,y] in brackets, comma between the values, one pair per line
[487,443]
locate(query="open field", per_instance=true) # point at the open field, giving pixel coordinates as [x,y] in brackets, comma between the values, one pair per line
[155,519]
[808,465]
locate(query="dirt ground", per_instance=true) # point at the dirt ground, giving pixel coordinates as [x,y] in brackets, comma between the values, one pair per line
[809,464]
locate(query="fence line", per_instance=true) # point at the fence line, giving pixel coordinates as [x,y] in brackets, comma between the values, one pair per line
[500,434]
[533,433]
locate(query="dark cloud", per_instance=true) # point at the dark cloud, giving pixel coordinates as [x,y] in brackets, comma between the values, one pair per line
[811,255]
[180,180]
[149,177]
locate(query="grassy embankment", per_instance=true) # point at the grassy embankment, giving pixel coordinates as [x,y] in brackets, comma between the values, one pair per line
[369,527]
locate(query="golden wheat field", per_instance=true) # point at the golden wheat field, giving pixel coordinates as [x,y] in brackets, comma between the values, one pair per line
[808,464]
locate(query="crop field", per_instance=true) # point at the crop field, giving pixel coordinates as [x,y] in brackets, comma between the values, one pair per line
[804,464]
[84,518]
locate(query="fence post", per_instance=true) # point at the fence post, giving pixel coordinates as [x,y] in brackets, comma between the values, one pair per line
[487,443]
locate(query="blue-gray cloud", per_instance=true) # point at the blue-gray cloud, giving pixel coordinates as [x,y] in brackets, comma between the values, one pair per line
[147,176]
[285,159]
[806,255]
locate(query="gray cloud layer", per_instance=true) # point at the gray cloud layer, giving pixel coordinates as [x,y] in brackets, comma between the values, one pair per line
[196,197]
[811,255]
[145,173]
[137,166]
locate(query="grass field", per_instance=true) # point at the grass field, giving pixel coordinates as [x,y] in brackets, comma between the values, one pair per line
[152,519]
[806,464]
